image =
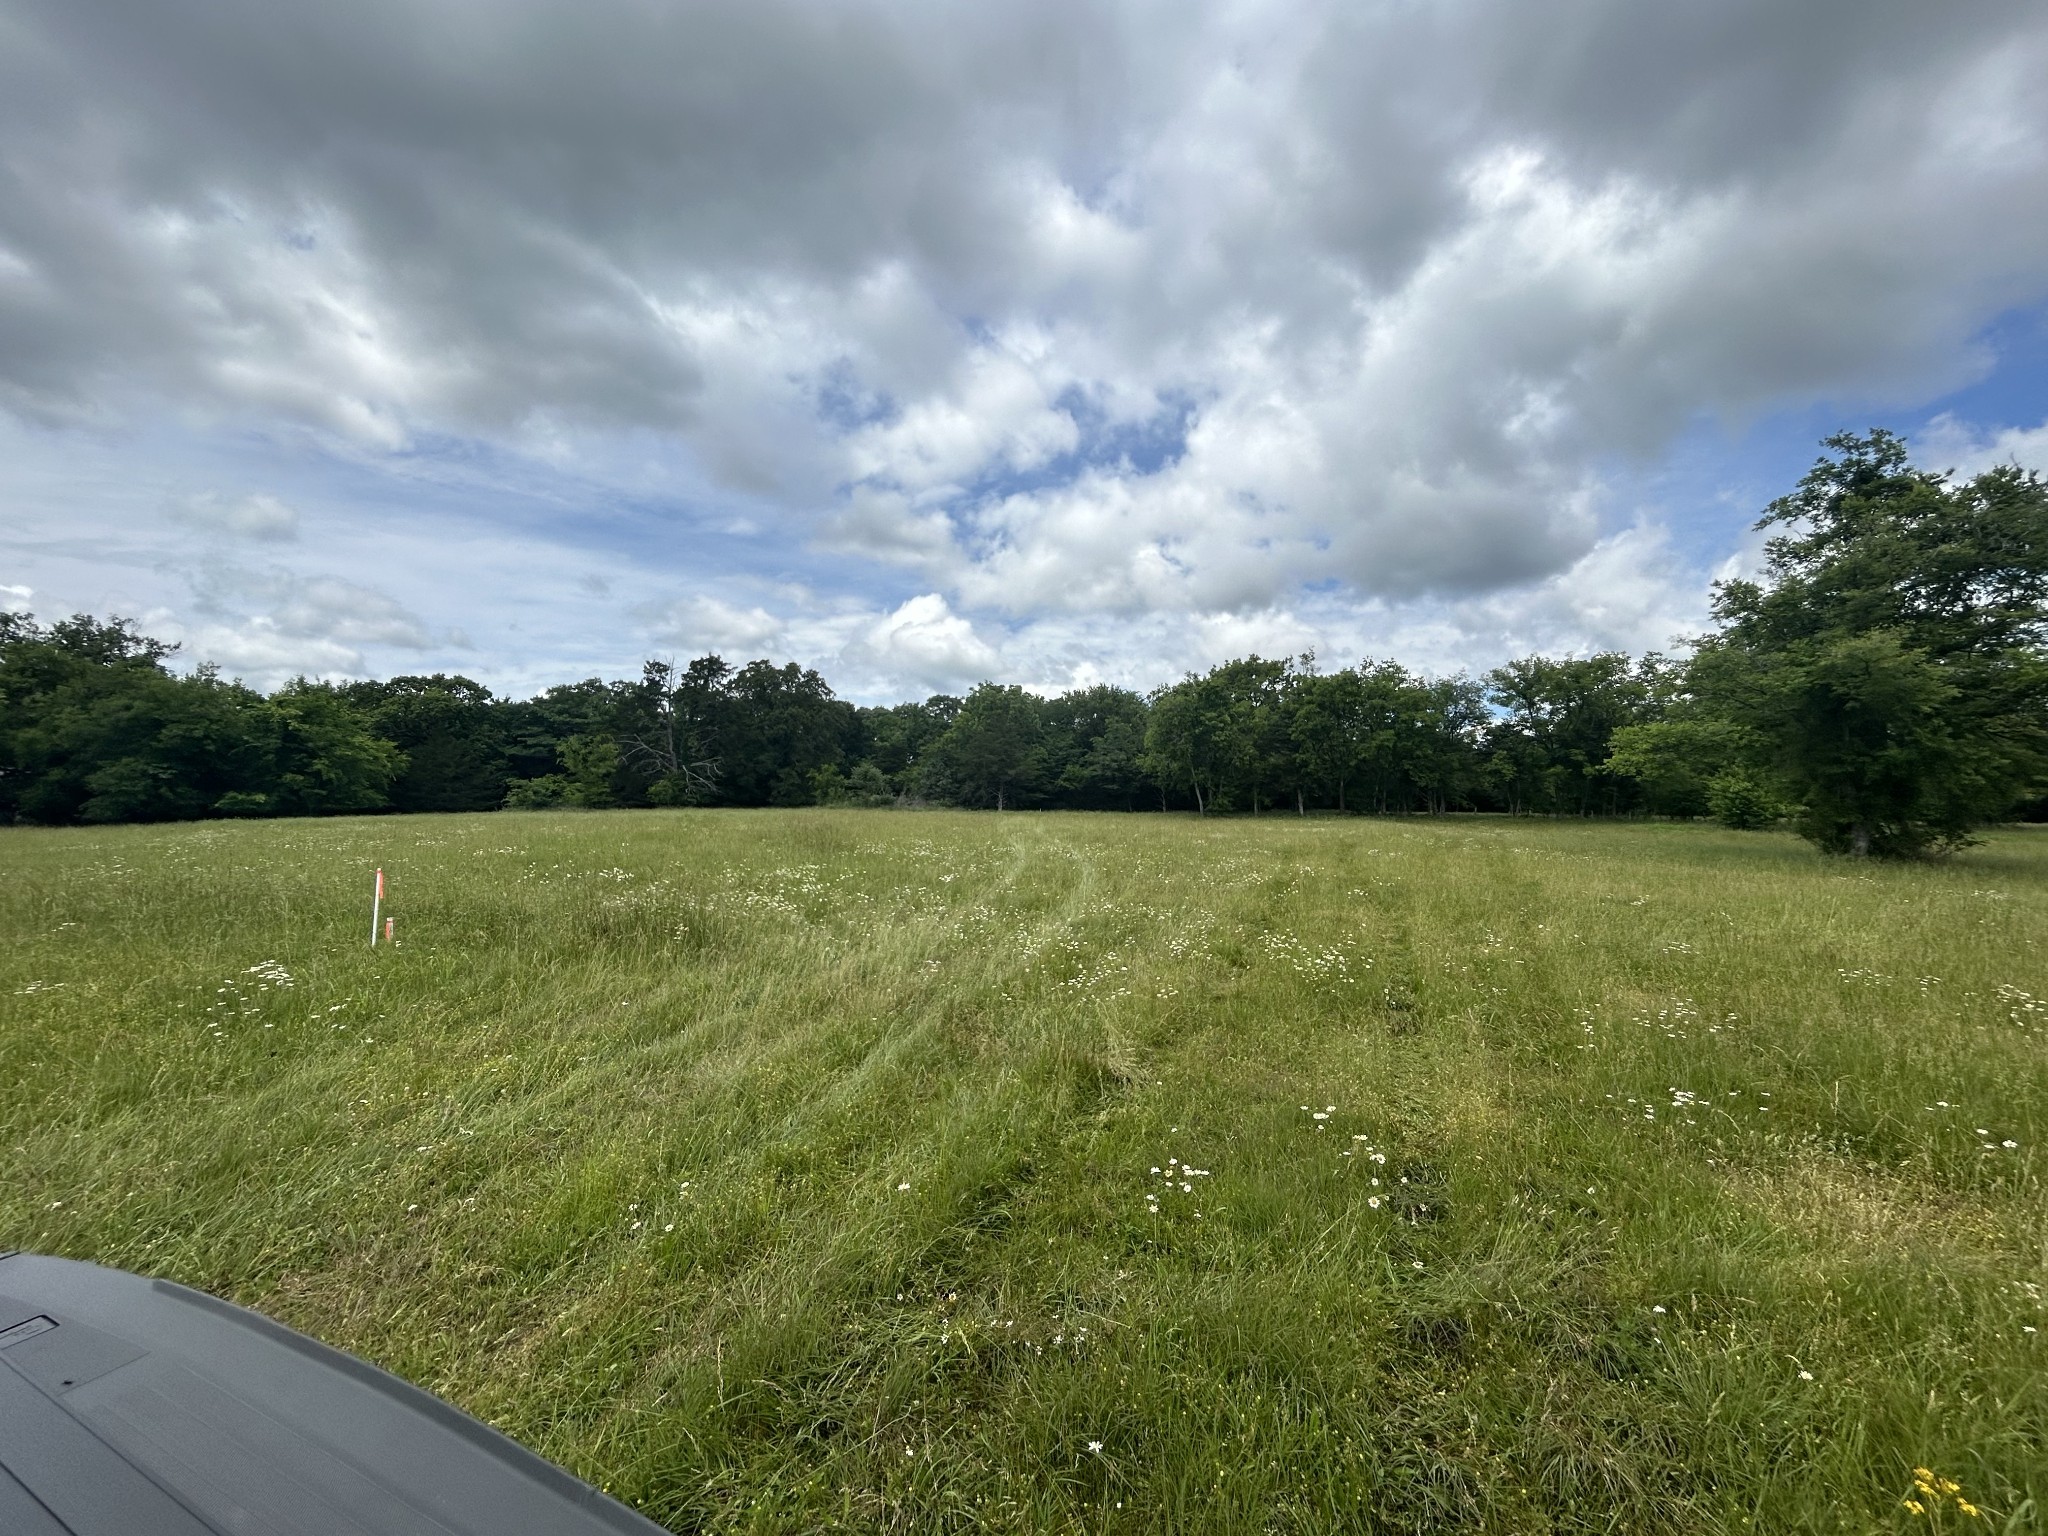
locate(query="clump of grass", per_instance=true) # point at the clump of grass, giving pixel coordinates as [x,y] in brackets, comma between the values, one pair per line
[850,1170]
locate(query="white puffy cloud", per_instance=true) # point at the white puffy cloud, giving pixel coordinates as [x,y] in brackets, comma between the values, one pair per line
[326,609]
[1628,592]
[922,644]
[258,651]
[1950,444]
[702,624]
[267,626]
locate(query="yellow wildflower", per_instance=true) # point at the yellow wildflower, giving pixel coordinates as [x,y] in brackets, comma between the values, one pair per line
[1914,1505]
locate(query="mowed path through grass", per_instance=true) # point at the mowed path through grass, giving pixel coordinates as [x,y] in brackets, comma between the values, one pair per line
[812,1170]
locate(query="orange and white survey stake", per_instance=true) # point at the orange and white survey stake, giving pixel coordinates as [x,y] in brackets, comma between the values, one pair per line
[376,905]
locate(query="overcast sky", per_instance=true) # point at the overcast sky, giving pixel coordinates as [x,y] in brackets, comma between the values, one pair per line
[1038,340]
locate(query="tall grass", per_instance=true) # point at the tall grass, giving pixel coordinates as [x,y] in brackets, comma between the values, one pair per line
[838,1170]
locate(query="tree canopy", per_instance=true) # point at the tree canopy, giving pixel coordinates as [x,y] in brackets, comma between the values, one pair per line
[1885,680]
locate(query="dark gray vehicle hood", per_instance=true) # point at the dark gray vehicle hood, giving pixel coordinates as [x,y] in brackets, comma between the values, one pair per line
[135,1407]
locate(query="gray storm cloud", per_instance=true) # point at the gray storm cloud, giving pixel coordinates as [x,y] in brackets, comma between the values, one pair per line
[912,274]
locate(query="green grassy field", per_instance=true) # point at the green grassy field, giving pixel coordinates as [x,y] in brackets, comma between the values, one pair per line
[946,1172]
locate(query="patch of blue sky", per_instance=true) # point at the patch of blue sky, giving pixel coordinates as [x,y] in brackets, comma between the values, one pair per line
[1140,447]
[2014,392]
[846,405]
[641,504]
[1714,482]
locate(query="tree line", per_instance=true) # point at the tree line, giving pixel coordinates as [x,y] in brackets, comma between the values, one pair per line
[1883,688]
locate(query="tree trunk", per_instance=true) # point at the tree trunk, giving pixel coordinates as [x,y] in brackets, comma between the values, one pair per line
[1859,839]
[999,797]
[1200,809]
[1299,808]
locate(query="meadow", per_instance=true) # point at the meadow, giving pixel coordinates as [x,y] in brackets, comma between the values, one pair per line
[891,1171]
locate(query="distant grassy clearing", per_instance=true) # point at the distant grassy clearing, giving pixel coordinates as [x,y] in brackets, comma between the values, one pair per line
[796,1170]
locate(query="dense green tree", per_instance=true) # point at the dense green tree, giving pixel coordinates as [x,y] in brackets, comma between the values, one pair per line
[1549,750]
[1328,727]
[676,723]
[537,728]
[993,752]
[708,734]
[1888,673]
[1259,743]
[97,729]
[328,758]
[1187,747]
[453,734]
[1398,741]
[588,764]
[863,785]
[1691,764]
[1237,748]
[783,725]
[1254,731]
[61,688]
[1392,722]
[1094,749]
[165,749]
[1437,739]
[895,737]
